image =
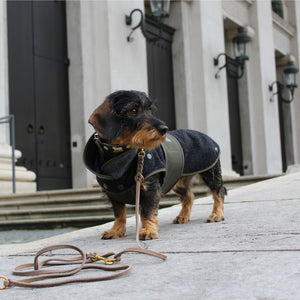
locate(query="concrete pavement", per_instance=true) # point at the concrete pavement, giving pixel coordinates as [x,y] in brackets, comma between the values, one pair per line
[253,254]
[17,236]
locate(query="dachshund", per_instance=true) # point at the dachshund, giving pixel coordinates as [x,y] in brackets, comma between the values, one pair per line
[124,124]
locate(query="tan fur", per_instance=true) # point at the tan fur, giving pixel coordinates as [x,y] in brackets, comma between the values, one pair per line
[144,138]
[96,118]
[124,138]
[183,188]
[149,228]
[217,214]
[119,228]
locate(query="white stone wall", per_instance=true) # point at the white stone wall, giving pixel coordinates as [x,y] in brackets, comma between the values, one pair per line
[264,122]
[4,110]
[25,180]
[200,99]
[102,61]
[295,14]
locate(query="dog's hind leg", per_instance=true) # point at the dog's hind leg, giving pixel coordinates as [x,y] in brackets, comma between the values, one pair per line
[119,228]
[183,188]
[213,178]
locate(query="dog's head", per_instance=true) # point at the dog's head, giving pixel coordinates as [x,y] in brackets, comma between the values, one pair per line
[126,118]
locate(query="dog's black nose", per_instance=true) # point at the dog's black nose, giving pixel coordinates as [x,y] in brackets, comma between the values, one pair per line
[162,129]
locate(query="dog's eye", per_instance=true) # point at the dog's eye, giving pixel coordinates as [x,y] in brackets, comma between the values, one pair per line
[133,111]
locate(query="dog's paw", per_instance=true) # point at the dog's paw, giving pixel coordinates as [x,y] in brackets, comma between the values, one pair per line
[181,220]
[147,234]
[112,234]
[215,218]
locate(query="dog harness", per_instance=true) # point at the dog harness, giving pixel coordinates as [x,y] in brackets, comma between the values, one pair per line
[184,152]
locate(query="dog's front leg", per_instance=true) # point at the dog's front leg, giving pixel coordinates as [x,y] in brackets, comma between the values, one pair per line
[149,208]
[119,228]
[149,228]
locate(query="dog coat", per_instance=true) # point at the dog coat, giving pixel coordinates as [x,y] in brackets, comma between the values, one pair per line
[184,152]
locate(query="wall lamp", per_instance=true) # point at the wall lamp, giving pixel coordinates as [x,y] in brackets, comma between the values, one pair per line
[290,79]
[159,10]
[240,46]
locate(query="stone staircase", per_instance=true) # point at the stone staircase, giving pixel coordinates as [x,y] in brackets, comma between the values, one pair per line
[80,207]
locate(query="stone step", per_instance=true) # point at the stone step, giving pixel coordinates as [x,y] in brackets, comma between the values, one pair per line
[55,212]
[69,194]
[65,216]
[66,221]
[91,199]
[70,211]
[80,207]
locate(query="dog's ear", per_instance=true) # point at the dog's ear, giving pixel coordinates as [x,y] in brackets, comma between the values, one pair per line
[105,121]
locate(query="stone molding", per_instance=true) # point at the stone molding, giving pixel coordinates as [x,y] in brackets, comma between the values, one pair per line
[25,180]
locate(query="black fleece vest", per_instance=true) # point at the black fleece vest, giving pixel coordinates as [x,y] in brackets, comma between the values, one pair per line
[184,152]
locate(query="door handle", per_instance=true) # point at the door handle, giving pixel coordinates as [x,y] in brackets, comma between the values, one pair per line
[41,130]
[29,128]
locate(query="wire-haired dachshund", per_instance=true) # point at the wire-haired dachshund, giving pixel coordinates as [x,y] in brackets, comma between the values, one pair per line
[124,123]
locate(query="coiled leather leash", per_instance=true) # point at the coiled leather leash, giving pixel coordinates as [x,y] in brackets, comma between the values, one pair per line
[38,273]
[85,260]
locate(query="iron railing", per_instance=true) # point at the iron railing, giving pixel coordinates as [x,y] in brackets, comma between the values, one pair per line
[11,120]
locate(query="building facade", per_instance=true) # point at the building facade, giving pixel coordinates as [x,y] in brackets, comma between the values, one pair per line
[60,59]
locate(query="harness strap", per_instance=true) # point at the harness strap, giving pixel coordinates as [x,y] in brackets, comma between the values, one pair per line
[174,162]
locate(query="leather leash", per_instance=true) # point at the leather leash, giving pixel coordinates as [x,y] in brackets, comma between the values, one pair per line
[85,260]
[139,178]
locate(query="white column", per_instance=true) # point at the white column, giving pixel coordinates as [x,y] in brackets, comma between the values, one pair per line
[266,147]
[24,179]
[295,106]
[4,108]
[102,61]
[201,100]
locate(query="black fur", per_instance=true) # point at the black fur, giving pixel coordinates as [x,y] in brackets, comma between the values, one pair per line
[127,116]
[134,109]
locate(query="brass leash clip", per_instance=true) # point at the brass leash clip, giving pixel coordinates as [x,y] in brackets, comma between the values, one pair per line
[108,261]
[142,153]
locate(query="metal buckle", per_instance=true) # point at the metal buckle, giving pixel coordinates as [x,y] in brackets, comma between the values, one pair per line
[4,286]
[142,153]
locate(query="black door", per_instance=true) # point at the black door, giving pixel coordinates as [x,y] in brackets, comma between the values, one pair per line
[286,131]
[160,71]
[38,89]
[234,118]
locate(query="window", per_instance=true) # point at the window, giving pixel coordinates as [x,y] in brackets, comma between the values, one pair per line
[277,7]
